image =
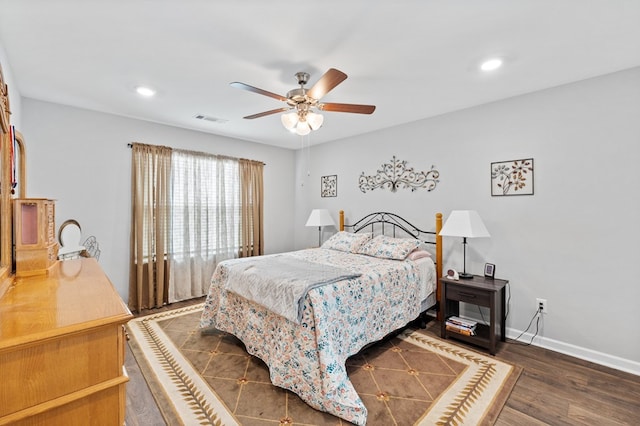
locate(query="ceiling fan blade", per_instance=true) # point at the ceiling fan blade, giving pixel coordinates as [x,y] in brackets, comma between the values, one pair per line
[355,108]
[327,82]
[243,86]
[262,114]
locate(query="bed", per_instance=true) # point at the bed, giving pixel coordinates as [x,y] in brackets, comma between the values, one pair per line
[369,280]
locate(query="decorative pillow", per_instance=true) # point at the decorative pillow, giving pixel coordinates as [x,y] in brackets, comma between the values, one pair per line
[346,241]
[386,247]
[418,254]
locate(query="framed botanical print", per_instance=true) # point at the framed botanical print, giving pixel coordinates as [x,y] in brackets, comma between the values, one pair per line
[514,177]
[329,186]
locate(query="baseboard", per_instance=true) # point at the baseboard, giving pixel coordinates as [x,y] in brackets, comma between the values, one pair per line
[590,355]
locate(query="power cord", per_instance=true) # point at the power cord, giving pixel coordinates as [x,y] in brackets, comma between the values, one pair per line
[536,317]
[484,321]
[506,314]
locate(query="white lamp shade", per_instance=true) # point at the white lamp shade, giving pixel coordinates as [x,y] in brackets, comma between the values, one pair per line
[464,223]
[320,217]
[289,120]
[302,128]
[315,120]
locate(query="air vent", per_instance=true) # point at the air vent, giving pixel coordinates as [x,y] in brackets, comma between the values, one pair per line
[210,118]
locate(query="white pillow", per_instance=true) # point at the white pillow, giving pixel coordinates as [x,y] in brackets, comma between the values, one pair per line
[346,241]
[386,247]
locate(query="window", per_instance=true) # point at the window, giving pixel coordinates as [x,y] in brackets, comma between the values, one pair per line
[189,210]
[205,206]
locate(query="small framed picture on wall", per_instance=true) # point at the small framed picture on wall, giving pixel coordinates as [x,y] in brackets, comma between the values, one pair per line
[329,186]
[514,177]
[489,270]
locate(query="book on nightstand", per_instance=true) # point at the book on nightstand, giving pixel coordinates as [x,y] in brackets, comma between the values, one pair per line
[461,325]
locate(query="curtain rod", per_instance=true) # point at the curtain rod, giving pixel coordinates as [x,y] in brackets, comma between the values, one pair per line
[130,145]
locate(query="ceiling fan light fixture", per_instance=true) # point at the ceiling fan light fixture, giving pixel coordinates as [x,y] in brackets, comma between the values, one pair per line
[315,120]
[304,103]
[302,128]
[289,120]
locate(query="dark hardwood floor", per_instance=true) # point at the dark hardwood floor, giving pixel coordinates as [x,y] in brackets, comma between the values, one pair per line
[553,389]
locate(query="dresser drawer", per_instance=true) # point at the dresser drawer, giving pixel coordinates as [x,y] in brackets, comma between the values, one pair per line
[468,295]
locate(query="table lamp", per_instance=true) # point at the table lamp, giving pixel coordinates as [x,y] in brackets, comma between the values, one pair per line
[320,218]
[465,224]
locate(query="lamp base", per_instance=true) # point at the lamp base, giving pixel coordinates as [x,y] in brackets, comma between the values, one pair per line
[465,276]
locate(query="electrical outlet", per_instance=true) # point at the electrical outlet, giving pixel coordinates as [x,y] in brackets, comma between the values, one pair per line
[541,305]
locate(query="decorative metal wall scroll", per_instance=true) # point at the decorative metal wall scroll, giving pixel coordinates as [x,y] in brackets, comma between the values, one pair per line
[396,175]
[513,177]
[329,186]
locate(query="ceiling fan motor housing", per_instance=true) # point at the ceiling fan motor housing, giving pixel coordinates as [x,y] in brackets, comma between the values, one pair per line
[297,96]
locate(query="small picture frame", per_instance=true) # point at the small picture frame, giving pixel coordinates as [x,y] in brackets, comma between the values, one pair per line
[329,186]
[489,270]
[514,177]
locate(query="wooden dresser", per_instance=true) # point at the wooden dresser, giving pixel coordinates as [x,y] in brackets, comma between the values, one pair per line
[62,348]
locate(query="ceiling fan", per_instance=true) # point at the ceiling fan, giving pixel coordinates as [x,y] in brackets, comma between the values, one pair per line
[303,102]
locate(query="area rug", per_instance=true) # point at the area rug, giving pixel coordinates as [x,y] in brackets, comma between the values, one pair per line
[412,379]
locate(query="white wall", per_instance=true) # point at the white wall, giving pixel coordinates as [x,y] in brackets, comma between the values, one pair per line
[14,94]
[575,242]
[81,159]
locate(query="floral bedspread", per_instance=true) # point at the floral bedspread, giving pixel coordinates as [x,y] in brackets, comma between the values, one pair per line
[280,282]
[338,319]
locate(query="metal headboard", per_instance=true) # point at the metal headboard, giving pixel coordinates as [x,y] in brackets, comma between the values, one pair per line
[397,222]
[382,220]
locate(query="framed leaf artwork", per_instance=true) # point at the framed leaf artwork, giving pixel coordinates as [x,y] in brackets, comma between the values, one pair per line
[514,177]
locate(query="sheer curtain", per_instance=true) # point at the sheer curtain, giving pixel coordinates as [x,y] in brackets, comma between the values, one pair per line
[150,171]
[205,225]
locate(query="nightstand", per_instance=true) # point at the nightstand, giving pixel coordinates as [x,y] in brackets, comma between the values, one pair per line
[480,291]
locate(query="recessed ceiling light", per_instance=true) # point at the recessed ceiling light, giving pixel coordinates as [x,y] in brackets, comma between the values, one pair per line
[491,64]
[145,91]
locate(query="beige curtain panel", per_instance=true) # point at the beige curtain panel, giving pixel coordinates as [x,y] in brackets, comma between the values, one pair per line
[150,190]
[251,205]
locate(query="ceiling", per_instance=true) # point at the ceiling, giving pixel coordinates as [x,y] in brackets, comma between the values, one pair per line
[413,59]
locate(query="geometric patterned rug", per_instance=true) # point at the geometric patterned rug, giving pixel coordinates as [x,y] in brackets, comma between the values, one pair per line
[411,379]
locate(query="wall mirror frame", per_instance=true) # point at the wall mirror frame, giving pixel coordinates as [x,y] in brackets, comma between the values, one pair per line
[8,162]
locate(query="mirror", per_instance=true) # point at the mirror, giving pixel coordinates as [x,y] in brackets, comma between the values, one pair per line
[11,184]
[5,197]
[5,212]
